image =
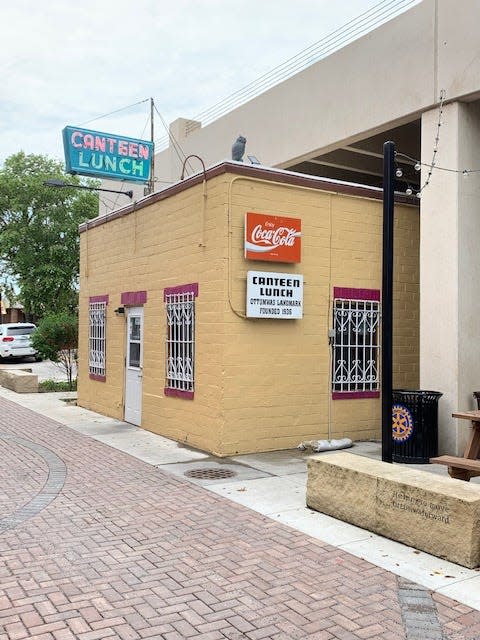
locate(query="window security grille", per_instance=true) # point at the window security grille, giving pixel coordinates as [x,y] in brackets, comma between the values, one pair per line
[180,341]
[355,345]
[96,351]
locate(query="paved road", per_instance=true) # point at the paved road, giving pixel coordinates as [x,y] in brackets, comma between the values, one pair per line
[46,370]
[97,544]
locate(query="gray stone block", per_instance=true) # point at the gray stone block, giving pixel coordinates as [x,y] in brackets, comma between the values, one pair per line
[433,513]
[19,380]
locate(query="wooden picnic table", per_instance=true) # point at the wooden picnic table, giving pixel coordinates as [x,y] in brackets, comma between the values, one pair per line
[468,466]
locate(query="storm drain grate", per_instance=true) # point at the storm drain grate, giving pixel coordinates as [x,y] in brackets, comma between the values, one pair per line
[210,474]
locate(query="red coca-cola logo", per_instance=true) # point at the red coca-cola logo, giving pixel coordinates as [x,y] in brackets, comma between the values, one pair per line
[272,238]
[282,236]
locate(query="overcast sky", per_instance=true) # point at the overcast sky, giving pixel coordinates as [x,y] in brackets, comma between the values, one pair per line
[66,63]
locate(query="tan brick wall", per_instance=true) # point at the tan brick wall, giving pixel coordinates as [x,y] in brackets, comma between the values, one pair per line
[154,248]
[357,262]
[260,384]
[406,299]
[278,372]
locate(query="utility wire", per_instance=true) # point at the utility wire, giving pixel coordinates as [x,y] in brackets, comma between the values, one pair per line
[111,203]
[145,127]
[428,164]
[105,115]
[176,145]
[365,22]
[179,151]
[115,202]
[107,202]
[435,145]
[432,164]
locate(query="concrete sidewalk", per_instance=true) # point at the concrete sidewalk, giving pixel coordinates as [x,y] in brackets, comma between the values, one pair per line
[117,521]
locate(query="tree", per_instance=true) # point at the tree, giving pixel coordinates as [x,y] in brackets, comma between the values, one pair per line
[39,240]
[56,339]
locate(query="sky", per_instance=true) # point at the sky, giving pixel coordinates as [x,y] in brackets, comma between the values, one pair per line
[67,63]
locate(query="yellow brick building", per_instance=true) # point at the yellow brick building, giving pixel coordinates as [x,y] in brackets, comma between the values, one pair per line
[164,338]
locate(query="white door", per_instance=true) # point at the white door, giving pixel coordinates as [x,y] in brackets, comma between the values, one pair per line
[134,366]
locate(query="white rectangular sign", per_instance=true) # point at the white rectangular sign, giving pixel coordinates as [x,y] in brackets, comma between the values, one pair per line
[274,295]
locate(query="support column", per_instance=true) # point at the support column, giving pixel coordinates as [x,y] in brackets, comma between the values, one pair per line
[450,267]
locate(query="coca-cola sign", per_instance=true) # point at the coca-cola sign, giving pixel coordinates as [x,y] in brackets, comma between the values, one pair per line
[272,238]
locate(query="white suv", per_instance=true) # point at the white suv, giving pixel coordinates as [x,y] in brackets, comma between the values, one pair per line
[15,341]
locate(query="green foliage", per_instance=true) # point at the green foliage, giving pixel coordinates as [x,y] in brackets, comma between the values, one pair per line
[56,339]
[47,386]
[55,333]
[39,239]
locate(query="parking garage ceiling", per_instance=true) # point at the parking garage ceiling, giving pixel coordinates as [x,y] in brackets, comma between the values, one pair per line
[362,161]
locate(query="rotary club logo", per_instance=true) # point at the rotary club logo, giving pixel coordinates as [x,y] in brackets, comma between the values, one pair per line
[402,423]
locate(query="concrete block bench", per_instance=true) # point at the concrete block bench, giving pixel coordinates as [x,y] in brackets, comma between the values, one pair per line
[433,513]
[19,380]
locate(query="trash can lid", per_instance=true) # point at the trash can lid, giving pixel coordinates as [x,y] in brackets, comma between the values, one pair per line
[418,391]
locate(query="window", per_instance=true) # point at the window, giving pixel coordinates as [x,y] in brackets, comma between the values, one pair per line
[355,343]
[180,340]
[20,329]
[134,353]
[96,343]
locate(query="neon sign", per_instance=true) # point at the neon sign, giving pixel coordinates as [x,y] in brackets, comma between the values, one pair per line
[103,155]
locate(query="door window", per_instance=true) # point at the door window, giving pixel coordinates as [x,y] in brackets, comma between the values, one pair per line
[134,341]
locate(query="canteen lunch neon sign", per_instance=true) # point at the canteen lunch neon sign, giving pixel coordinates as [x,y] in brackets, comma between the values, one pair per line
[103,155]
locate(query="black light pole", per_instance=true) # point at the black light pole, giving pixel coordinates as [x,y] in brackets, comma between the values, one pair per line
[61,184]
[387,298]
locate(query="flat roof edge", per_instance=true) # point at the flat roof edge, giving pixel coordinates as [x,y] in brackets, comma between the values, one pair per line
[259,172]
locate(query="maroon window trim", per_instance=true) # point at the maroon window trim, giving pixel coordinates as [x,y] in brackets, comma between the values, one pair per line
[352,293]
[192,288]
[354,395]
[177,393]
[347,293]
[133,298]
[95,376]
[92,300]
[98,299]
[183,288]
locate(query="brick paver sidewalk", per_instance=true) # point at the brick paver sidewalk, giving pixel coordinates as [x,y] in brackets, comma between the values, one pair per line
[110,547]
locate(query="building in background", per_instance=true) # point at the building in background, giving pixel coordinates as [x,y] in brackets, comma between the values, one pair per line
[11,312]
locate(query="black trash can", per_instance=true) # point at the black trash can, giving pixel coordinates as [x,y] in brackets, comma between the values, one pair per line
[414,425]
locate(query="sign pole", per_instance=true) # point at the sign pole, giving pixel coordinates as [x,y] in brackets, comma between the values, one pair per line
[152,138]
[387,297]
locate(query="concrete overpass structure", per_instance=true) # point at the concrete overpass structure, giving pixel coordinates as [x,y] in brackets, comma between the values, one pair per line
[332,118]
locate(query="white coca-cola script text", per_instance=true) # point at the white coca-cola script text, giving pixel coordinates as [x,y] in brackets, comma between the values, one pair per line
[283,236]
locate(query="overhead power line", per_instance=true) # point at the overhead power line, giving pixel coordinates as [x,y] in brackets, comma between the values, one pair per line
[105,115]
[365,22]
[175,144]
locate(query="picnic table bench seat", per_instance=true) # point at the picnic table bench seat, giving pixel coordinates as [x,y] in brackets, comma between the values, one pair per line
[466,466]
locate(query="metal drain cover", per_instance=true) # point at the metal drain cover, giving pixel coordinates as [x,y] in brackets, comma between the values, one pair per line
[210,474]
